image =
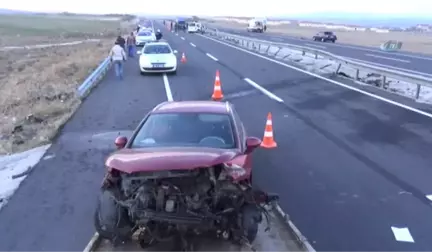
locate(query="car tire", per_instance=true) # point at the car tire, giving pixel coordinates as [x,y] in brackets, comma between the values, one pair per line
[333,41]
[111,220]
[142,73]
[250,219]
[173,73]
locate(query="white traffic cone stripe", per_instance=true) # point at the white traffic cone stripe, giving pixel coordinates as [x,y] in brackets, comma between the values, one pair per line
[269,122]
[268,134]
[217,88]
[217,78]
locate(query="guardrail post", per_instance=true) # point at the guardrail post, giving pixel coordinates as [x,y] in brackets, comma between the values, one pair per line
[268,48]
[280,48]
[316,55]
[338,68]
[303,52]
[384,79]
[357,77]
[418,91]
[259,47]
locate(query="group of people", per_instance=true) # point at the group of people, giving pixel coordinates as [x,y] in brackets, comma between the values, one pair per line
[118,51]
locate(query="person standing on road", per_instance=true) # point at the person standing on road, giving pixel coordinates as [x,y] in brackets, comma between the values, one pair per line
[130,41]
[118,57]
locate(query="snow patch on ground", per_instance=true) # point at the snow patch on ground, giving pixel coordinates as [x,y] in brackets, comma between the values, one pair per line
[321,65]
[15,168]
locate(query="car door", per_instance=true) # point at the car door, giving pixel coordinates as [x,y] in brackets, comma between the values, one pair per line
[245,159]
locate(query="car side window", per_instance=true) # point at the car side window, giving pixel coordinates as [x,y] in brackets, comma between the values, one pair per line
[241,130]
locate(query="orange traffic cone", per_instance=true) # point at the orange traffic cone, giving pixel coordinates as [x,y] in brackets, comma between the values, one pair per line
[217,91]
[183,58]
[268,140]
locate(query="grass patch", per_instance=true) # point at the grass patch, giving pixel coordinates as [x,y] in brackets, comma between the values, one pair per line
[38,86]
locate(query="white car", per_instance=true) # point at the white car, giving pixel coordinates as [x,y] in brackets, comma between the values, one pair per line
[157,57]
[144,36]
[193,27]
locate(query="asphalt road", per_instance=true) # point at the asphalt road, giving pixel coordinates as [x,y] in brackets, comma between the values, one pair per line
[403,61]
[348,167]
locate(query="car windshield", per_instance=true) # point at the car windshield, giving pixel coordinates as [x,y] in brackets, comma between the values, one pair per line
[192,24]
[156,49]
[144,34]
[186,130]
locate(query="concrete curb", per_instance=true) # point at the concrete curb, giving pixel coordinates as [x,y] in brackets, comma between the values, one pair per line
[300,237]
[93,243]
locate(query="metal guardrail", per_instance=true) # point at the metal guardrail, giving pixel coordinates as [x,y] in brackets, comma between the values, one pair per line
[258,45]
[94,78]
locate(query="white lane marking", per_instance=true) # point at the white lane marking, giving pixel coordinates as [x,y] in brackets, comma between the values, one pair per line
[392,67]
[176,34]
[182,38]
[211,57]
[167,88]
[263,90]
[429,197]
[91,245]
[388,58]
[319,46]
[418,111]
[192,44]
[402,234]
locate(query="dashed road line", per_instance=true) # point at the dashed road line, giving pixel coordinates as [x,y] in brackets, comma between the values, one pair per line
[418,111]
[212,57]
[387,58]
[176,34]
[167,88]
[429,197]
[402,234]
[263,90]
[192,44]
[183,38]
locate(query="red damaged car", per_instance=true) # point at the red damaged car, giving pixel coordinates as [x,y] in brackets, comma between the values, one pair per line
[185,171]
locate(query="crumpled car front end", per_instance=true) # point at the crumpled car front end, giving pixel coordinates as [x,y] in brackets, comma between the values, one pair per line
[217,199]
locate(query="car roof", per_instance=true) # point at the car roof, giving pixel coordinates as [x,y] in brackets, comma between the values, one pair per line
[193,106]
[157,43]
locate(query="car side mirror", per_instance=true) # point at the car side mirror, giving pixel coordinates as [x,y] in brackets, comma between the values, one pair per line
[252,143]
[138,52]
[120,142]
[175,51]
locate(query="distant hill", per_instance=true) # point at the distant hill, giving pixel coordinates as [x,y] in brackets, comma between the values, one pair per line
[9,11]
[363,19]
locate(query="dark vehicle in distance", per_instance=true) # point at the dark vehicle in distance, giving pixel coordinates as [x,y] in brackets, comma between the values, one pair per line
[185,171]
[325,36]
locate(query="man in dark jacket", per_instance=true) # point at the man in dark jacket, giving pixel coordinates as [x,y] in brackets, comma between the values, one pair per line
[121,42]
[158,34]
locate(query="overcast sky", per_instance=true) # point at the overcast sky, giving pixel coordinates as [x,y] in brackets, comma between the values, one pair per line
[225,7]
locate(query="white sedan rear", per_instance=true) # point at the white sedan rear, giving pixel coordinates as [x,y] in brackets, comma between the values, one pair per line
[144,36]
[157,57]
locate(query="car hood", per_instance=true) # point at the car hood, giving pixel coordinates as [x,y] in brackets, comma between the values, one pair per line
[155,58]
[157,159]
